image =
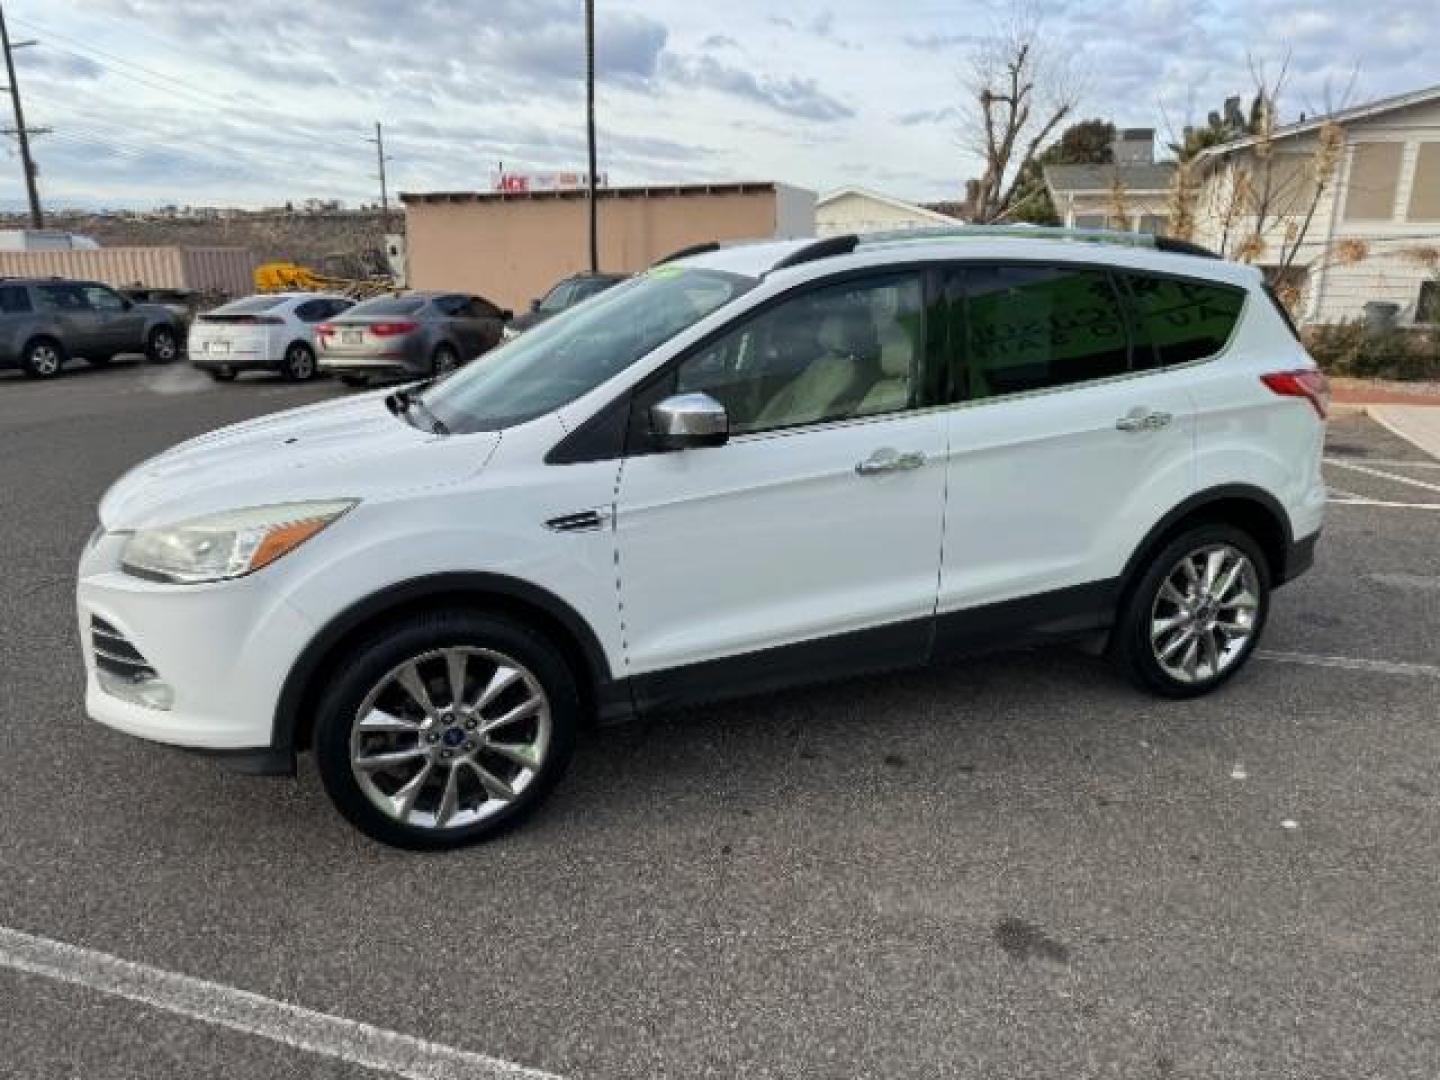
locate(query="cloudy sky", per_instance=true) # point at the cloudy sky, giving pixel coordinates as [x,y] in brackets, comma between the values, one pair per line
[218,102]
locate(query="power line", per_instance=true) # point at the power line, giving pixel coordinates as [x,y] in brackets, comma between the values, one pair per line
[22,135]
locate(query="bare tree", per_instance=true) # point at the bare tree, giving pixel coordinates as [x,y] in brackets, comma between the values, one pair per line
[1020,92]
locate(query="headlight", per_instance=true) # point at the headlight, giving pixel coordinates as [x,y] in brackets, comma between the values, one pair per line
[227,545]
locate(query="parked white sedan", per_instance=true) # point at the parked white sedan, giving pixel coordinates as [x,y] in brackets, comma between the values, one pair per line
[269,331]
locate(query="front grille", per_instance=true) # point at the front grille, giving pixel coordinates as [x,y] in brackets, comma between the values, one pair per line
[114,654]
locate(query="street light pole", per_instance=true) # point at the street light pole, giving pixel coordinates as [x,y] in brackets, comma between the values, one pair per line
[379,141]
[590,131]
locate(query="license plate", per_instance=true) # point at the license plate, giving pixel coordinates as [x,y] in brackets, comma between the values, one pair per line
[351,337]
[217,346]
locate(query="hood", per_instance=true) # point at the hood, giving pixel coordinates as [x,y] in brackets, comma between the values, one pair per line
[351,448]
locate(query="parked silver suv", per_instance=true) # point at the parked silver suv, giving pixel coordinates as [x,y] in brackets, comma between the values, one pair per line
[46,321]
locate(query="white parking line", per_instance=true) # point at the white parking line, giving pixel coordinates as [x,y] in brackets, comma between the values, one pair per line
[1382,474]
[1388,463]
[211,1003]
[1358,501]
[1350,663]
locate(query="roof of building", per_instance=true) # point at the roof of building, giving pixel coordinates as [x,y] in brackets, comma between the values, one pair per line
[1102,178]
[648,191]
[1341,116]
[897,204]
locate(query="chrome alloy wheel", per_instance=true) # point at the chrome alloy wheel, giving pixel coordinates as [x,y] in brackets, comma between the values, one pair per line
[165,346]
[45,359]
[450,737]
[1204,615]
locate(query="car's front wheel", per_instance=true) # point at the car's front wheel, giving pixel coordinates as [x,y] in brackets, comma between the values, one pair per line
[445,360]
[299,363]
[162,346]
[1196,614]
[445,729]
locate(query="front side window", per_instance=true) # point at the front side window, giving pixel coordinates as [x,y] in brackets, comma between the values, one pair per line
[103,299]
[1033,327]
[832,353]
[64,298]
[556,362]
[1184,320]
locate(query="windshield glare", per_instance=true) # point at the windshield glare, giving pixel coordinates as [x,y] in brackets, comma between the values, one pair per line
[579,349]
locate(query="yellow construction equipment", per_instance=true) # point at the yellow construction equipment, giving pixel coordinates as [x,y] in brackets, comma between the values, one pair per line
[292,277]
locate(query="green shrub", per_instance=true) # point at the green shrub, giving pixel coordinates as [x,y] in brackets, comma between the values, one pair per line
[1352,349]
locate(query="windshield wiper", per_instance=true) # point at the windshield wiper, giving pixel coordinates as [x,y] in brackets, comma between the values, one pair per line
[402,401]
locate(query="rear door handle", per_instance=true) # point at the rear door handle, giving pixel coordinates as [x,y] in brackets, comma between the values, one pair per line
[887,460]
[1142,419]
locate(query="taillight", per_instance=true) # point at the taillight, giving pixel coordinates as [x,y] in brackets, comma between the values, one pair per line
[1306,383]
[390,329]
[325,328]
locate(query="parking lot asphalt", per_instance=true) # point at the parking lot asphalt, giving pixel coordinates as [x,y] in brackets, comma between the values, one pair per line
[1012,866]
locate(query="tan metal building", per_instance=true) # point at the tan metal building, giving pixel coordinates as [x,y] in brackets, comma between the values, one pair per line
[227,270]
[512,246]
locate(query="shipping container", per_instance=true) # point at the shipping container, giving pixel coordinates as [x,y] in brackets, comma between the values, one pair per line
[225,270]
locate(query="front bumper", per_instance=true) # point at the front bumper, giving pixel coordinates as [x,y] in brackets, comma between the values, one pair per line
[223,650]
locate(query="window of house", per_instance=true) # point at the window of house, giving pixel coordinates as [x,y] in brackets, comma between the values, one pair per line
[1152,224]
[1036,327]
[1425,190]
[1374,176]
[1089,221]
[835,352]
[1184,320]
[1427,307]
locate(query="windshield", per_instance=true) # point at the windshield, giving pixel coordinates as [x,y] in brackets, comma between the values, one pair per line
[573,353]
[251,305]
[386,306]
[555,299]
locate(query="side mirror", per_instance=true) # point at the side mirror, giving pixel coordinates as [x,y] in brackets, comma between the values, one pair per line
[683,421]
[535,304]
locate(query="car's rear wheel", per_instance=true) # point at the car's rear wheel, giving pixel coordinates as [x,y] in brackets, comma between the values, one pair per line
[1196,614]
[299,363]
[162,346]
[445,729]
[445,360]
[42,359]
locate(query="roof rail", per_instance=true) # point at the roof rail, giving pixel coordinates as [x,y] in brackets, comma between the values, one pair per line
[820,249]
[686,252]
[1184,247]
[1041,232]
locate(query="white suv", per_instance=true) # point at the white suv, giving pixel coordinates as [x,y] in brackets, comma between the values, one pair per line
[748,467]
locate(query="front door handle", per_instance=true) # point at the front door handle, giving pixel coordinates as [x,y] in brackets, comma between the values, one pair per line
[887,460]
[1142,419]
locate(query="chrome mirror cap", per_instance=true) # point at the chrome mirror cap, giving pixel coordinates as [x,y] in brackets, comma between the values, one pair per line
[682,421]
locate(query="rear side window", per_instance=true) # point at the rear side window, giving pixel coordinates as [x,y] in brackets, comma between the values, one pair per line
[387,307]
[14,299]
[62,298]
[1030,327]
[1185,320]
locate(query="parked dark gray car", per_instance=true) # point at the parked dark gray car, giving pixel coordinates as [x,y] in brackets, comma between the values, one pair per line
[562,296]
[409,335]
[46,321]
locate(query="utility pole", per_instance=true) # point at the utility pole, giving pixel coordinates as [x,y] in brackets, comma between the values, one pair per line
[590,129]
[379,141]
[37,215]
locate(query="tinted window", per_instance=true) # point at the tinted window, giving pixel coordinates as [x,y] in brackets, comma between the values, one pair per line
[103,299]
[387,306]
[250,305]
[571,354]
[483,308]
[314,310]
[62,298]
[558,298]
[1184,320]
[14,298]
[845,350]
[589,287]
[1035,327]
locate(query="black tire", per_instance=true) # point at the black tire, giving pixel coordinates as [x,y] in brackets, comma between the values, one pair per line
[444,360]
[42,358]
[376,658]
[162,346]
[1131,645]
[299,363]
[222,374]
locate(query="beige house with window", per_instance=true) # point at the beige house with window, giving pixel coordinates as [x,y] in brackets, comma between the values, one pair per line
[1385,194]
[1130,195]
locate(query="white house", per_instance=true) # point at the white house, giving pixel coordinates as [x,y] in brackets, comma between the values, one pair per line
[1384,194]
[857,210]
[1131,194]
